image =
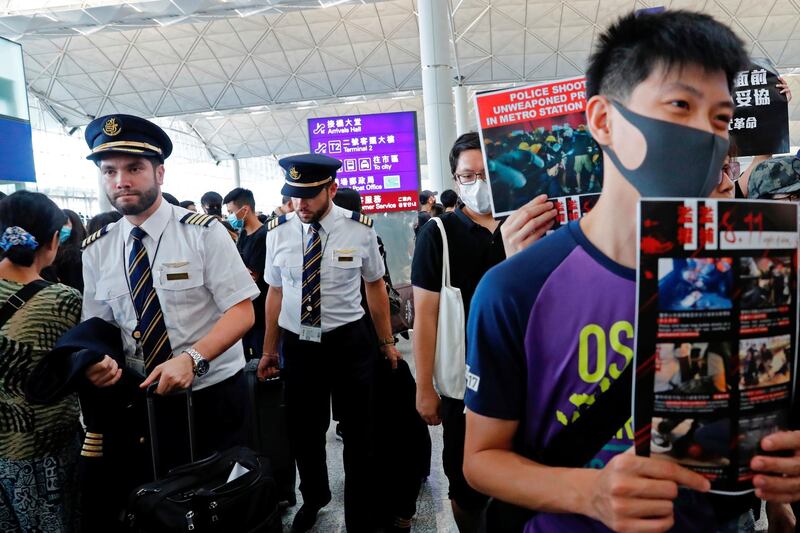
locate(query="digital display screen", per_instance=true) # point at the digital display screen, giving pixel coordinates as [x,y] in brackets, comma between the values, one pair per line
[379,155]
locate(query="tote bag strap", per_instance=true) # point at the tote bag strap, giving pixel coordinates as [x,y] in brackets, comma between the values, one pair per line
[445,253]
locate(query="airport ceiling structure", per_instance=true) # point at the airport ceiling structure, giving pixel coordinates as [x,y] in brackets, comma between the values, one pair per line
[245,75]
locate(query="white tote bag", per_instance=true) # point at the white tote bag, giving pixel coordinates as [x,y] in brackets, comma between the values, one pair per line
[449,367]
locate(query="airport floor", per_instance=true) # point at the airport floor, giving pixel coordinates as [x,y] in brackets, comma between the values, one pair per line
[433,507]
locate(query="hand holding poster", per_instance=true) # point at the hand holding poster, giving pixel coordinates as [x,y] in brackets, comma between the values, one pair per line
[716,333]
[760,124]
[536,141]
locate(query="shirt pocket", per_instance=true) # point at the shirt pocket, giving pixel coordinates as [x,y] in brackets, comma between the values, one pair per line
[345,266]
[291,270]
[178,276]
[115,293]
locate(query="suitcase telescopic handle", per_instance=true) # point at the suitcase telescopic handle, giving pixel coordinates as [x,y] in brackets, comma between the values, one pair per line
[152,426]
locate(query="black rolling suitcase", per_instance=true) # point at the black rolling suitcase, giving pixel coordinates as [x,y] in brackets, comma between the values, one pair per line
[204,495]
[269,433]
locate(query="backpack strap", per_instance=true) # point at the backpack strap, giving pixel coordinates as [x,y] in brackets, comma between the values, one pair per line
[19,298]
[573,447]
[580,441]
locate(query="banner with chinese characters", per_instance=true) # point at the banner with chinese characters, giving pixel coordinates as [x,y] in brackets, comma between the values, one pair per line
[716,332]
[379,155]
[535,141]
[760,122]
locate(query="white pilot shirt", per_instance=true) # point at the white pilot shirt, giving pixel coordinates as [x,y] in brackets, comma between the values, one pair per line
[349,252]
[212,279]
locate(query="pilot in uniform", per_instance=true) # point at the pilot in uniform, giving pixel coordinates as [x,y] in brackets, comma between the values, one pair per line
[316,258]
[174,284]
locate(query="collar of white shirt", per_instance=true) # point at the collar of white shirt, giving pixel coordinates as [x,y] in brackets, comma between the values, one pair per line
[155,224]
[326,222]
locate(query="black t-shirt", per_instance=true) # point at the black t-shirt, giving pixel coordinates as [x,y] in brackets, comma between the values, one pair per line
[253,249]
[473,250]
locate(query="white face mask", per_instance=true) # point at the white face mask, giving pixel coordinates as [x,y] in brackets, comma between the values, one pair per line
[476,197]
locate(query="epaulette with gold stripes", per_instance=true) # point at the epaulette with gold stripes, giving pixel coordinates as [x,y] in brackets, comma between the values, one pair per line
[364,219]
[275,222]
[94,236]
[198,219]
[92,445]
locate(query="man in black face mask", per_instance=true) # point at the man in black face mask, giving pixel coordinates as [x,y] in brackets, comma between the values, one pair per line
[551,329]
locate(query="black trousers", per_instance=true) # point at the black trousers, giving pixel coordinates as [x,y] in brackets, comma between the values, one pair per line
[253,343]
[340,366]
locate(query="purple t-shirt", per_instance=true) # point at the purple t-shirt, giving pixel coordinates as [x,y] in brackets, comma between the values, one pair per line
[550,329]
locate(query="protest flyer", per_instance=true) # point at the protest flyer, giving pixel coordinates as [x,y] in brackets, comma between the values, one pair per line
[760,123]
[569,208]
[536,141]
[716,332]
[379,155]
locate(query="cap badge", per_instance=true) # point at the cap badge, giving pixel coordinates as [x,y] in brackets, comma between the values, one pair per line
[294,174]
[112,127]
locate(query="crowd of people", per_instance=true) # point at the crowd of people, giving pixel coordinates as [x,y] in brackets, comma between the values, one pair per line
[159,296]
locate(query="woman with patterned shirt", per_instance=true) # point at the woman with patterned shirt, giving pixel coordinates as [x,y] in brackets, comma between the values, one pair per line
[39,444]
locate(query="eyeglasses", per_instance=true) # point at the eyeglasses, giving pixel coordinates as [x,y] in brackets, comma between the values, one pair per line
[731,170]
[469,179]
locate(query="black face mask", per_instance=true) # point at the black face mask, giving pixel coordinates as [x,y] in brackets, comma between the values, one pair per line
[679,161]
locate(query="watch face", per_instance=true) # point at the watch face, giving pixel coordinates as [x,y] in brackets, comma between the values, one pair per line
[202,367]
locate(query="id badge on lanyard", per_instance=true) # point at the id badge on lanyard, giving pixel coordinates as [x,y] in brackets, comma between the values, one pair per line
[136,361]
[310,333]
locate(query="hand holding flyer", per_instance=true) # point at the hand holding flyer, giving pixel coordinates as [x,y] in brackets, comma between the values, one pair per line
[528,224]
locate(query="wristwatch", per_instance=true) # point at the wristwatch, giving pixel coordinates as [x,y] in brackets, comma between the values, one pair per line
[199,362]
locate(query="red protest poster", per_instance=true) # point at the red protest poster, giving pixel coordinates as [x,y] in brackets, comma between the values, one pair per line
[536,141]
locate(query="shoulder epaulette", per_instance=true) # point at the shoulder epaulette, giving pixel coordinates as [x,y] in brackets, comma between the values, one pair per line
[198,219]
[94,236]
[275,222]
[364,219]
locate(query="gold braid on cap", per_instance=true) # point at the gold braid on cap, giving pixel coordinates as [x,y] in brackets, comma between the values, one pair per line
[314,184]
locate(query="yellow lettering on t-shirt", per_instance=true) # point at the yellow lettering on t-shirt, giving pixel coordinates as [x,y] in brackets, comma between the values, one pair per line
[626,352]
[588,331]
[593,365]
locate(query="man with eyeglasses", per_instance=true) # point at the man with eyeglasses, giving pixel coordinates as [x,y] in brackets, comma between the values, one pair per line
[475,245]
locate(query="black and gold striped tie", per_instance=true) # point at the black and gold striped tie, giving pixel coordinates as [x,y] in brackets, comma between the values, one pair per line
[151,332]
[310,312]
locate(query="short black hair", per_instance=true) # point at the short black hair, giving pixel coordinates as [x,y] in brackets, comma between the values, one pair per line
[347,198]
[449,198]
[467,141]
[170,198]
[97,222]
[635,45]
[211,198]
[424,196]
[212,203]
[186,203]
[35,213]
[241,197]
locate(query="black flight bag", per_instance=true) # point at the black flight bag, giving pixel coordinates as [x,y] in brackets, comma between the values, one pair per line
[199,496]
